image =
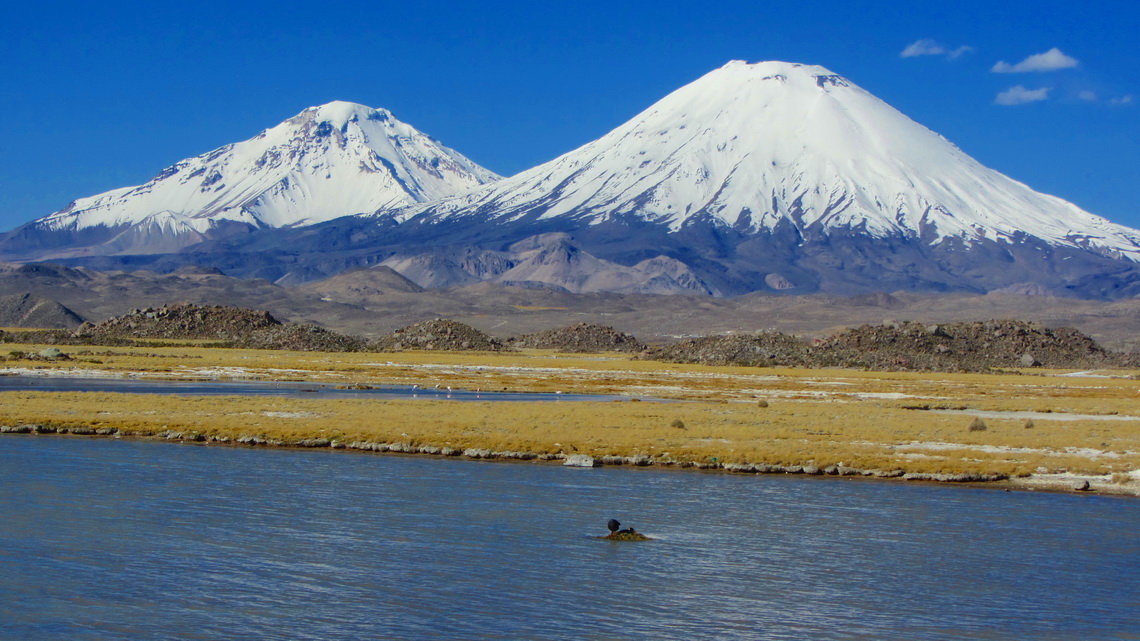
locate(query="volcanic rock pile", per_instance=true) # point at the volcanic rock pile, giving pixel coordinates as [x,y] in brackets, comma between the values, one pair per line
[763,349]
[972,346]
[438,334]
[233,326]
[299,337]
[905,346]
[184,321]
[580,338]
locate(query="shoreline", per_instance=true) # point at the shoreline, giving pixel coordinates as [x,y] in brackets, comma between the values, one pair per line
[1063,483]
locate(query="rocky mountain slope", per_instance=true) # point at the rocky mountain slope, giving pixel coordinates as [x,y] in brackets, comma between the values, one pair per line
[359,283]
[549,261]
[27,310]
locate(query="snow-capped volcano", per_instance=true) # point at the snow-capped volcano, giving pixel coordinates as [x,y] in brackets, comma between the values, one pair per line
[771,176]
[754,147]
[328,161]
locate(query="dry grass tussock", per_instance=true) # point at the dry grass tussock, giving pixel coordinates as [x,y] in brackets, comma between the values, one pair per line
[850,419]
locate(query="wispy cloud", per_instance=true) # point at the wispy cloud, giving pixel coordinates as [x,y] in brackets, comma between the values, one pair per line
[959,52]
[924,47]
[1087,95]
[1123,100]
[1019,95]
[930,47]
[1051,60]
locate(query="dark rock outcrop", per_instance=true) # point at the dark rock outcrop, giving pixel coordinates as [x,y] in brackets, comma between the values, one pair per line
[771,349]
[184,321]
[233,326]
[300,337]
[580,338]
[971,346]
[438,334]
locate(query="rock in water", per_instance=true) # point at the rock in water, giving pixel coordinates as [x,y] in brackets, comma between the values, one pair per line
[580,460]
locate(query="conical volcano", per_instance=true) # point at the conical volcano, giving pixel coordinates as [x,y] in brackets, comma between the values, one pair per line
[328,161]
[778,175]
[756,146]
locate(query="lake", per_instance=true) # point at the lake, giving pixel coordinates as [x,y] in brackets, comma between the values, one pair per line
[131,539]
[52,383]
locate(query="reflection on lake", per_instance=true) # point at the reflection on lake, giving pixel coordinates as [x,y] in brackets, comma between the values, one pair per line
[106,539]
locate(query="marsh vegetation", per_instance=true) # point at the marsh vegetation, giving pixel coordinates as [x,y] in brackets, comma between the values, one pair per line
[744,418]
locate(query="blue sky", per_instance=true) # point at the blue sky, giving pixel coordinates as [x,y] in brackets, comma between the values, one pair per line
[103,95]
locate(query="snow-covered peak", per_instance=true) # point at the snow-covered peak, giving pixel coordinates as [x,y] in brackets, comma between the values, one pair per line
[755,146]
[769,68]
[328,161]
[338,112]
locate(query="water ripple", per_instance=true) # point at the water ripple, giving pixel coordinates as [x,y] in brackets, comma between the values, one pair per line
[123,539]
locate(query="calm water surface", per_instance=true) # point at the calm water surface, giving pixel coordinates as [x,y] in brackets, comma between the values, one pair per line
[106,539]
[273,388]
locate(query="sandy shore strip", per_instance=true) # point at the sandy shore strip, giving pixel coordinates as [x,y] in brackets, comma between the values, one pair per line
[1065,482]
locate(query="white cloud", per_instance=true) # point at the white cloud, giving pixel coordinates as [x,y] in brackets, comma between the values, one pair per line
[959,52]
[1019,95]
[930,47]
[924,47]
[1124,100]
[1049,61]
[1087,95]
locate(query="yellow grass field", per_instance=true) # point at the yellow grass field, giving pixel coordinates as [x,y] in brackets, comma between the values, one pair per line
[842,421]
